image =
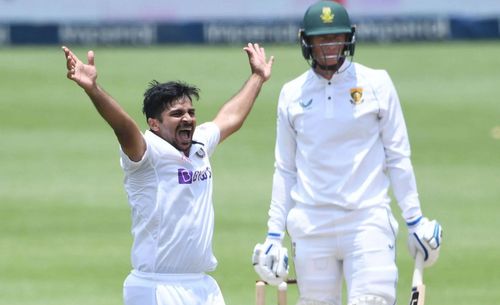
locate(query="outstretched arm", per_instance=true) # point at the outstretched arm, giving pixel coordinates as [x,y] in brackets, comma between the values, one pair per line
[127,132]
[234,112]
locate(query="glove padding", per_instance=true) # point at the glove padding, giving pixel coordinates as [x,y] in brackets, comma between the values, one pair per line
[270,261]
[425,236]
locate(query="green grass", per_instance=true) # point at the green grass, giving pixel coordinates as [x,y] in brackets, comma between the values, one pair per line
[64,218]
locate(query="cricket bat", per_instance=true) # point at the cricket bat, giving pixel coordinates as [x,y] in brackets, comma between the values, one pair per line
[418,287]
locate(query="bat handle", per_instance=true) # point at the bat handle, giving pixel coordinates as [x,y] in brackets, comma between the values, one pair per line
[418,272]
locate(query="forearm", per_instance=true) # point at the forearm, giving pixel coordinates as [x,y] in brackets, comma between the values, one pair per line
[233,113]
[108,108]
[281,202]
[126,130]
[405,188]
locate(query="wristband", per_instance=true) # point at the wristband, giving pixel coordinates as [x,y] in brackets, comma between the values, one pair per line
[414,222]
[275,235]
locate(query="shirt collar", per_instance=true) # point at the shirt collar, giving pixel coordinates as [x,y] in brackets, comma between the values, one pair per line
[337,77]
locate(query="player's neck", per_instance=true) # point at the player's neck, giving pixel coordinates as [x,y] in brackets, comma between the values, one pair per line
[326,74]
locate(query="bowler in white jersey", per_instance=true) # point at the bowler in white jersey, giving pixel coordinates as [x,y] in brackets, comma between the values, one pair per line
[341,143]
[168,180]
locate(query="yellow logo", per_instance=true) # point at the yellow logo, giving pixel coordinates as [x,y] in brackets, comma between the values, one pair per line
[327,15]
[356,96]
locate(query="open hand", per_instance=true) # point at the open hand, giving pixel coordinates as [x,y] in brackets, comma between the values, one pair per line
[84,75]
[258,62]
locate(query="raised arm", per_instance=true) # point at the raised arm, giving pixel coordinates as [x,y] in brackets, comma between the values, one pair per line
[234,112]
[127,132]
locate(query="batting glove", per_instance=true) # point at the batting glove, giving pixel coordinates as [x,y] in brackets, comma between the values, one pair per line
[270,260]
[425,236]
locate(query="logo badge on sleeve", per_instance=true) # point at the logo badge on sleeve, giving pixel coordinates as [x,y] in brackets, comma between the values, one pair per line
[201,153]
[356,96]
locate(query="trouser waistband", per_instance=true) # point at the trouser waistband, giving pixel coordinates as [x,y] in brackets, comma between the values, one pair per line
[167,277]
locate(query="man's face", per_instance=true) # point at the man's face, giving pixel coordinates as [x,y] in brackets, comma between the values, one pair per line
[177,125]
[326,49]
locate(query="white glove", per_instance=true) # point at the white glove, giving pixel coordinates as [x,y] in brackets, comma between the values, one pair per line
[425,236]
[270,260]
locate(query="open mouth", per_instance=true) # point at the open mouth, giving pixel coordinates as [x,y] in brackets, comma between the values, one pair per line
[185,134]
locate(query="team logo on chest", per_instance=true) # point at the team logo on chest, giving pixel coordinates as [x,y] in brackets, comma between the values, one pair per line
[356,95]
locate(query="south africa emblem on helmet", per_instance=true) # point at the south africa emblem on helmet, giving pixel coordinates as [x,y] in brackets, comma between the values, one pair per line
[326,15]
[356,96]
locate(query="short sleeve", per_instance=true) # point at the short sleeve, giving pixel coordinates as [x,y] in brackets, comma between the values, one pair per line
[208,134]
[130,165]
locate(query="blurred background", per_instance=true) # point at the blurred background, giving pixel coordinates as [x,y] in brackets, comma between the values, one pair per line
[157,22]
[64,218]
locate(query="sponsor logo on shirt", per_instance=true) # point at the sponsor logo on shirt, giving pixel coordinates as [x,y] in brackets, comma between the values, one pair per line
[305,104]
[187,176]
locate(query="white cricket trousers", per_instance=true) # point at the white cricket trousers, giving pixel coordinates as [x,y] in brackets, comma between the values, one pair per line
[142,288]
[331,244]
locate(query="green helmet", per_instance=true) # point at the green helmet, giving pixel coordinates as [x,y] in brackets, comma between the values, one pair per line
[326,17]
[323,18]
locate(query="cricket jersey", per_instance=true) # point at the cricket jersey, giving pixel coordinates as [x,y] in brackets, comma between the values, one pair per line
[170,196]
[341,142]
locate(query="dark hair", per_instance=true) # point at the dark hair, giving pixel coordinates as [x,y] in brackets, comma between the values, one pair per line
[160,96]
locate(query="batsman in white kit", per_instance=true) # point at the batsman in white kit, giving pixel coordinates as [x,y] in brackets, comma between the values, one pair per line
[168,180]
[341,143]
